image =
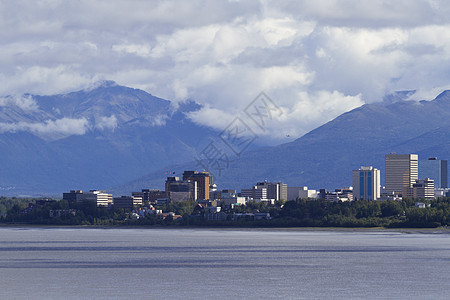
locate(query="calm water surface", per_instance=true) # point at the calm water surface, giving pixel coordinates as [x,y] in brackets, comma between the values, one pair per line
[86,263]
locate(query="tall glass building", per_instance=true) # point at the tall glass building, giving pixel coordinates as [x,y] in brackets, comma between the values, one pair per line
[366,183]
[435,169]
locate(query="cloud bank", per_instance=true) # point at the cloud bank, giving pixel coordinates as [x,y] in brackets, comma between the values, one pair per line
[25,103]
[315,59]
[54,129]
[50,129]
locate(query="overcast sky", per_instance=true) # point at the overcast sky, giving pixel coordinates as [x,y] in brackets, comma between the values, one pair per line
[315,59]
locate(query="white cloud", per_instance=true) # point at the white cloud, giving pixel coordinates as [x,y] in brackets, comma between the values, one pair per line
[319,107]
[218,119]
[44,80]
[25,102]
[321,56]
[159,120]
[369,14]
[140,50]
[50,129]
[63,127]
[311,110]
[104,123]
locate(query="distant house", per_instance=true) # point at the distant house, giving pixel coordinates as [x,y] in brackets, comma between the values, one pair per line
[420,205]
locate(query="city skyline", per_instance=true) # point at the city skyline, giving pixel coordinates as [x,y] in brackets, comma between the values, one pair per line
[402,177]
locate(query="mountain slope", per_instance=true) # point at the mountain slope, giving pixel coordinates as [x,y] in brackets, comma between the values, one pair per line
[90,139]
[325,157]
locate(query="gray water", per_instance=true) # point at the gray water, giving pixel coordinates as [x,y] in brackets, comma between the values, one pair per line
[86,263]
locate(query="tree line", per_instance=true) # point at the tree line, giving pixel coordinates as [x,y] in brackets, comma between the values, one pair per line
[296,213]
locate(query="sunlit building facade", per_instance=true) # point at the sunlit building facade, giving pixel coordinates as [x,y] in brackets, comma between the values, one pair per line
[401,172]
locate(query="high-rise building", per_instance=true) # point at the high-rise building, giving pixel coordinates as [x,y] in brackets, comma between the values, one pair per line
[181,190]
[366,184]
[435,169]
[203,182]
[401,171]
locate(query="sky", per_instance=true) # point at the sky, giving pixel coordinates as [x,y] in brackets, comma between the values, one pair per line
[314,59]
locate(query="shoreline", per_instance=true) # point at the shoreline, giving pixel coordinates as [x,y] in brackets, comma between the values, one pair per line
[438,230]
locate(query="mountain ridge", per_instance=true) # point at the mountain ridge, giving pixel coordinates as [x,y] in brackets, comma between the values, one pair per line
[91,139]
[123,139]
[326,156]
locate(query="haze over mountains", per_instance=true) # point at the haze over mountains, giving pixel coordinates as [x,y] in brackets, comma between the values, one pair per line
[122,139]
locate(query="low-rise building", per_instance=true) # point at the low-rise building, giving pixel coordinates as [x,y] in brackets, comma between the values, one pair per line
[144,211]
[74,196]
[275,190]
[343,195]
[126,202]
[422,189]
[228,194]
[149,196]
[389,196]
[303,192]
[233,201]
[256,192]
[162,201]
[101,198]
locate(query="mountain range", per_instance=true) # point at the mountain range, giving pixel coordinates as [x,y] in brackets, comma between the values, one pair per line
[122,139]
[326,156]
[91,139]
